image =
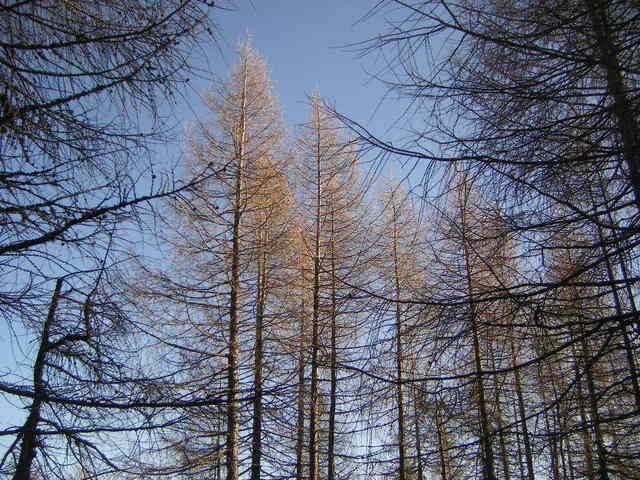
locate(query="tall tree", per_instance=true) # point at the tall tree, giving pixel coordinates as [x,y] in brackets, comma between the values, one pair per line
[329,197]
[401,275]
[227,229]
[535,101]
[267,226]
[72,181]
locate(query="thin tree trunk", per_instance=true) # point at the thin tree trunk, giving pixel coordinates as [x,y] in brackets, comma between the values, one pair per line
[601,451]
[555,464]
[485,434]
[486,447]
[218,472]
[334,377]
[416,416]
[587,442]
[256,448]
[442,443]
[522,412]
[501,435]
[519,454]
[315,340]
[628,347]
[398,331]
[627,124]
[232,377]
[300,393]
[29,431]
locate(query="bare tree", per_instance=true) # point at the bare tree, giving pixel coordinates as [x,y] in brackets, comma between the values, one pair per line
[328,201]
[229,227]
[75,80]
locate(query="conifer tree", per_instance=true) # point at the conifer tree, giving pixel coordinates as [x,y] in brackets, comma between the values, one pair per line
[398,241]
[329,197]
[227,230]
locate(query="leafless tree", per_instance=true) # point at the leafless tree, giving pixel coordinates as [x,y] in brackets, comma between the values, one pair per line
[76,79]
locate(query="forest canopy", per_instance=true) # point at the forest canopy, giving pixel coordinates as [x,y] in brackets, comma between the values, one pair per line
[298,310]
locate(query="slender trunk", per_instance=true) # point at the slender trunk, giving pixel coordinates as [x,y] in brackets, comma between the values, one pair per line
[29,431]
[628,347]
[398,328]
[555,456]
[587,443]
[627,123]
[218,468]
[256,447]
[418,447]
[570,470]
[519,454]
[232,377]
[543,385]
[618,302]
[315,340]
[522,412]
[331,474]
[486,447]
[300,393]
[416,416]
[564,446]
[501,433]
[485,433]
[442,443]
[601,451]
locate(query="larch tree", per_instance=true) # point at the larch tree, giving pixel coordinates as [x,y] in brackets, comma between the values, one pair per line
[399,260]
[329,198]
[251,132]
[536,101]
[268,226]
[225,232]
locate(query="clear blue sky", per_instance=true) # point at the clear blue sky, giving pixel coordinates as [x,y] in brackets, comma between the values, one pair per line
[305,43]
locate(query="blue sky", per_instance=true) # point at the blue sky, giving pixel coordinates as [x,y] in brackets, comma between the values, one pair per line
[306,44]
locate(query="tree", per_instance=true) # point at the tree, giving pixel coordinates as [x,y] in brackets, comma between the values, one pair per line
[328,201]
[230,228]
[67,172]
[268,223]
[400,265]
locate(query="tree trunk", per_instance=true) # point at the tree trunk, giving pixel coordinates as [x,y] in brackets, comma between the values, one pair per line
[29,430]
[443,444]
[485,433]
[331,474]
[522,413]
[416,416]
[601,451]
[300,393]
[256,448]
[587,442]
[234,304]
[315,334]
[627,124]
[399,373]
[502,436]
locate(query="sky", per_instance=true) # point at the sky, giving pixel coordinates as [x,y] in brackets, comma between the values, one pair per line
[308,45]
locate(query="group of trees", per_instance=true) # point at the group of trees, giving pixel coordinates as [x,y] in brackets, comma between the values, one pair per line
[81,87]
[526,113]
[257,254]
[291,323]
